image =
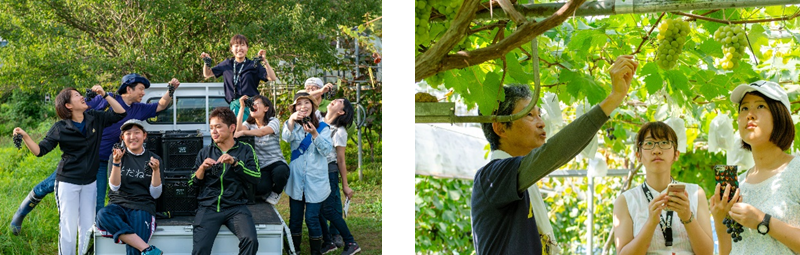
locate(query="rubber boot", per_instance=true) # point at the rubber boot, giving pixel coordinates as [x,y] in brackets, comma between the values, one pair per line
[25,207]
[316,246]
[296,244]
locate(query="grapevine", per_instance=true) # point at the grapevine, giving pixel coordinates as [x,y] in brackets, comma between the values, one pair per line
[733,40]
[671,37]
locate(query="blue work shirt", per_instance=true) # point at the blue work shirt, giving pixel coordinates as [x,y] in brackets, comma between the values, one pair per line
[308,174]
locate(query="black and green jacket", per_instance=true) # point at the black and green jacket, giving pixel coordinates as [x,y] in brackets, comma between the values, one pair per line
[222,185]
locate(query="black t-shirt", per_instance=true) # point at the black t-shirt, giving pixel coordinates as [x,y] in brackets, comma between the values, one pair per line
[134,188]
[502,217]
[249,75]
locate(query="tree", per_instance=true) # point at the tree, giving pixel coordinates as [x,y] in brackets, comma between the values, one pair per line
[54,44]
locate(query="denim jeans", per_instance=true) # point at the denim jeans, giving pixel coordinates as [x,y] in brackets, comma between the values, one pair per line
[332,211]
[117,220]
[102,185]
[45,187]
[296,212]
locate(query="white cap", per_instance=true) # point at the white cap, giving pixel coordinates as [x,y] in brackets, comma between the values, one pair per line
[131,122]
[314,81]
[768,88]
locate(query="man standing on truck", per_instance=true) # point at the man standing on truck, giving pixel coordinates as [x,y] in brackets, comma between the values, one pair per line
[222,167]
[241,75]
[130,94]
[135,185]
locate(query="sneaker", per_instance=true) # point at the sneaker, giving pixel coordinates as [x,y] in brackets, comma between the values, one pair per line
[351,248]
[328,247]
[338,241]
[152,250]
[273,198]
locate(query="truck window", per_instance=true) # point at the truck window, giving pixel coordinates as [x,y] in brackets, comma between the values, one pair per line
[190,110]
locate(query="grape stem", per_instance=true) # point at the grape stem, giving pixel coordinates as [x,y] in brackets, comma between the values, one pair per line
[647,36]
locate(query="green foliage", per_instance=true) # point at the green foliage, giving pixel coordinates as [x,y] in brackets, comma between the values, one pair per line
[81,43]
[698,167]
[19,172]
[442,210]
[25,110]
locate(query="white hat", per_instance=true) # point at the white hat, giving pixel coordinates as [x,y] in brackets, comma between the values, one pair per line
[768,88]
[314,81]
[132,122]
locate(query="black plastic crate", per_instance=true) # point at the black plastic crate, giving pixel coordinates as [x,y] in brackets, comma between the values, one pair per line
[180,154]
[178,197]
[153,142]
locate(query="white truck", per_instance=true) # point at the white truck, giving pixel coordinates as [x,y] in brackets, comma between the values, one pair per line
[191,105]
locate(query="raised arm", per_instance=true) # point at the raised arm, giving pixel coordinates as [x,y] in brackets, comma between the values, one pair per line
[111,101]
[270,73]
[165,100]
[571,140]
[207,73]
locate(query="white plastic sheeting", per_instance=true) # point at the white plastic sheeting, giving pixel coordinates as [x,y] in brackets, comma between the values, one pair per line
[720,133]
[448,151]
[597,166]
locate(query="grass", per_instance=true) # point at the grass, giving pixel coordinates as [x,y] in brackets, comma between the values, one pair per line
[20,171]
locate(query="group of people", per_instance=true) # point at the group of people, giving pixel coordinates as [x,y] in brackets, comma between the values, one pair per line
[93,159]
[510,217]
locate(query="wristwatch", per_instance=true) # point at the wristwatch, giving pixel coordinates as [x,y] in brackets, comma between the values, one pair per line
[763,227]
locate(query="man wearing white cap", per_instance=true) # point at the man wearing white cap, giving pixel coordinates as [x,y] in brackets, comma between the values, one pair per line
[314,86]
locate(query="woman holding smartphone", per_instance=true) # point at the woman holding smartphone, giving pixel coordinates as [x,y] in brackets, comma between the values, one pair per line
[657,217]
[767,202]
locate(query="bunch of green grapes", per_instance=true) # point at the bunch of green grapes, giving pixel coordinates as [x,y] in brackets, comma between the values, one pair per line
[447,7]
[733,40]
[671,37]
[422,16]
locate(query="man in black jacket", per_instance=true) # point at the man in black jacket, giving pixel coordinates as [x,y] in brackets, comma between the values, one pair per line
[222,169]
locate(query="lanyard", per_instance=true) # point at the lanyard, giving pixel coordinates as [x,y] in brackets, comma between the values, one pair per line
[666,225]
[236,77]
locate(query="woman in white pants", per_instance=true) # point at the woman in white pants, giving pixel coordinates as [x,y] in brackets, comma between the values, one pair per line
[78,134]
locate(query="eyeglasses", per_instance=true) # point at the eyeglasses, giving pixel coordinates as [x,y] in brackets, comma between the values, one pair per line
[649,145]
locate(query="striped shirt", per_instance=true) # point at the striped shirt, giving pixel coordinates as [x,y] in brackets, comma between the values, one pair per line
[268,147]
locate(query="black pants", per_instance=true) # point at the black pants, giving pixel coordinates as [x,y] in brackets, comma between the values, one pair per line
[273,178]
[238,220]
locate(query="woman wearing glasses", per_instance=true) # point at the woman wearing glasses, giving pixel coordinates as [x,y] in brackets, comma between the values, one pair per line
[650,220]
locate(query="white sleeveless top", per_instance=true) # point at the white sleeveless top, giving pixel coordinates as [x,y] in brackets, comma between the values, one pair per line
[637,208]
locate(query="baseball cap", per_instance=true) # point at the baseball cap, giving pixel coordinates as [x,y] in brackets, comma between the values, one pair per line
[131,122]
[769,89]
[314,81]
[131,79]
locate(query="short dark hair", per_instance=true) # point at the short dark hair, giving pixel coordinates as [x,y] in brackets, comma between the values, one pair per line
[346,119]
[62,99]
[514,93]
[224,114]
[782,125]
[238,39]
[656,130]
[270,112]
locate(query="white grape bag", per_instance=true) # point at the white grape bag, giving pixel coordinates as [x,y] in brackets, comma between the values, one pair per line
[590,149]
[679,126]
[738,155]
[597,166]
[720,133]
[552,106]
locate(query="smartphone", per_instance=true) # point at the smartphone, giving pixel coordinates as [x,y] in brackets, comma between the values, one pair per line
[726,174]
[675,187]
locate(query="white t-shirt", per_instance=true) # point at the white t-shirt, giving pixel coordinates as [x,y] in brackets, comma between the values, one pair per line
[637,208]
[339,138]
